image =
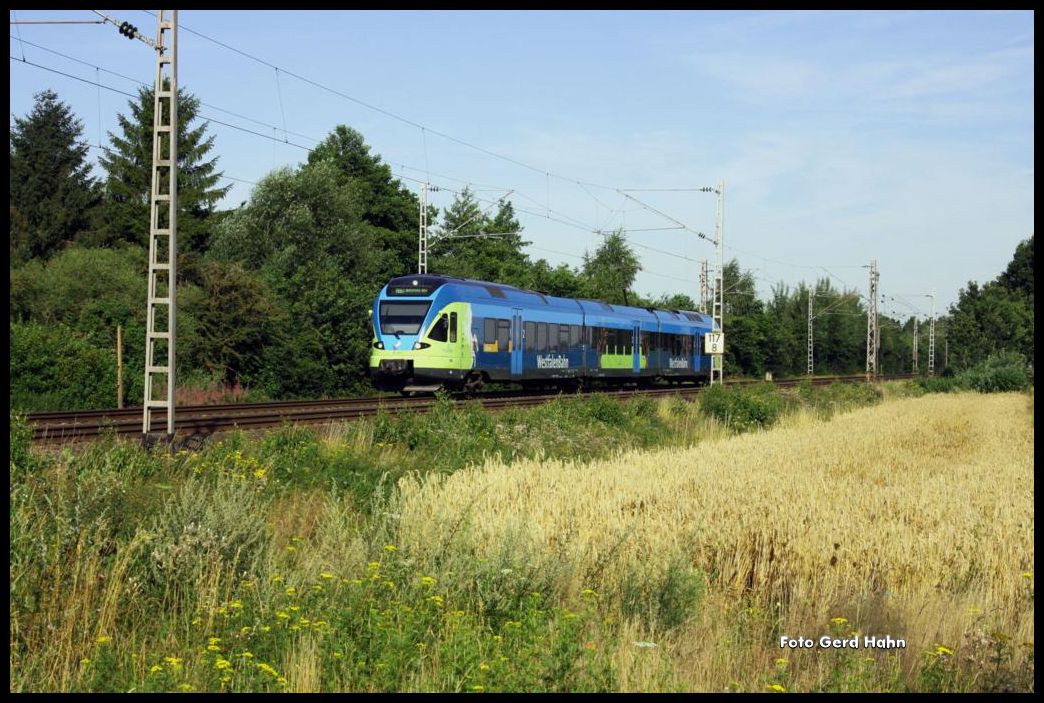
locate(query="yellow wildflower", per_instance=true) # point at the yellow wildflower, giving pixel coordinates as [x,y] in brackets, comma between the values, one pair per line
[776,687]
[236,604]
[940,649]
[155,669]
[326,575]
[222,664]
[390,548]
[187,687]
[839,621]
[247,655]
[781,662]
[428,581]
[104,639]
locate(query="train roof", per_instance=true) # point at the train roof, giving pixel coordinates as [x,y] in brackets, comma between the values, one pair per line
[425,284]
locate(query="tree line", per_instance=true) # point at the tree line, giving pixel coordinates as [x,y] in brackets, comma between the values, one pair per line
[274,294]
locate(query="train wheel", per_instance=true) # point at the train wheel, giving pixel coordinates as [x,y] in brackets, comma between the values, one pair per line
[472,382]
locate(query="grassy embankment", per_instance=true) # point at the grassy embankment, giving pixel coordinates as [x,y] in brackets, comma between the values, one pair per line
[388,555]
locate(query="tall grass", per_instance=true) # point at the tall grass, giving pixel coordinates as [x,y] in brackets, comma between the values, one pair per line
[543,550]
[912,519]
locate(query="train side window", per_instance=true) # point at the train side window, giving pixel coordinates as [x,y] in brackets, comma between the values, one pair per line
[439,330]
[503,335]
[552,337]
[574,335]
[541,337]
[453,327]
[490,330]
[529,336]
[563,338]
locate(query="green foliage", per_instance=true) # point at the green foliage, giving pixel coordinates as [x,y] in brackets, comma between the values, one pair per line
[463,246]
[995,317]
[24,461]
[561,280]
[997,374]
[610,271]
[1018,277]
[302,232]
[743,408]
[128,165]
[91,289]
[939,384]
[55,368]
[51,191]
[236,315]
[385,203]
[212,522]
[664,602]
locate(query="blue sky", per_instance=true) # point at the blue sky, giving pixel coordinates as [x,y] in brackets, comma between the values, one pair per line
[840,136]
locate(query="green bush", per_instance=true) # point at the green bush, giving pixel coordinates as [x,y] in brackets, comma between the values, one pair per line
[54,368]
[743,408]
[939,384]
[999,373]
[206,527]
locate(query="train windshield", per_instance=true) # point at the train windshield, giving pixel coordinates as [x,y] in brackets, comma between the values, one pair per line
[405,318]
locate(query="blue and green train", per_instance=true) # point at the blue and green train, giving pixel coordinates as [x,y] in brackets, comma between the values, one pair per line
[432,331]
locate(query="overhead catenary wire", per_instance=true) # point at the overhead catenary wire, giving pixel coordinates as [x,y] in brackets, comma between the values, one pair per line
[548,174]
[149,85]
[583,184]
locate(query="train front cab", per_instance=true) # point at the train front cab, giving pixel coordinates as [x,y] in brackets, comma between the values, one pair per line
[420,337]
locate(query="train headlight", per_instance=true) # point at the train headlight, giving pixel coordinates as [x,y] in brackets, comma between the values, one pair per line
[378,345]
[421,345]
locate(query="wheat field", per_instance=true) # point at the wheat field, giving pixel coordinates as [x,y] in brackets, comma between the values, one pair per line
[912,519]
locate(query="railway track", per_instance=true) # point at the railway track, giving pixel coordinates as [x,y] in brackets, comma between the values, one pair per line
[196,422]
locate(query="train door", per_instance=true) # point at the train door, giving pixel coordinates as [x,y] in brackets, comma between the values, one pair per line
[516,342]
[637,348]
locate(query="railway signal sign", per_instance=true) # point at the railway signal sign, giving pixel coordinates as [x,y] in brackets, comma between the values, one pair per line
[714,343]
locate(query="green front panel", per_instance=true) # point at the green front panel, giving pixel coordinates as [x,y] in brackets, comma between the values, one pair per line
[440,355]
[620,361]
